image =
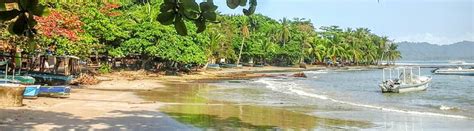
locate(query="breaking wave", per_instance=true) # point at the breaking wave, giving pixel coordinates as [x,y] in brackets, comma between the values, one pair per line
[444,108]
[293,88]
[316,72]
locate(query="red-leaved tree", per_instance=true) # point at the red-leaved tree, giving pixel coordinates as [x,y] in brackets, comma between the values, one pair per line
[108,9]
[59,23]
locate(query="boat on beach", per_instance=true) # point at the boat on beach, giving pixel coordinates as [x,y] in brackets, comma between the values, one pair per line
[55,91]
[405,81]
[16,78]
[31,91]
[454,71]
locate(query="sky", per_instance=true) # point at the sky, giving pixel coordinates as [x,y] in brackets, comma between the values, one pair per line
[434,21]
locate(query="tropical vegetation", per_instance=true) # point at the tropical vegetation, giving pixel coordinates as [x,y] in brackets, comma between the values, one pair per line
[117,32]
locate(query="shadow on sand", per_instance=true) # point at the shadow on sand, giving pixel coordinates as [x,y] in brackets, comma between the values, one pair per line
[120,120]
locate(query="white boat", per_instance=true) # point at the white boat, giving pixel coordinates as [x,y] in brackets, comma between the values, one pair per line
[405,80]
[454,71]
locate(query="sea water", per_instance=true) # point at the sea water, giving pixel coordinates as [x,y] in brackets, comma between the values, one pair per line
[447,104]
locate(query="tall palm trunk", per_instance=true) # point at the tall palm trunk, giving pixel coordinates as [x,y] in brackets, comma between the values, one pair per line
[240,52]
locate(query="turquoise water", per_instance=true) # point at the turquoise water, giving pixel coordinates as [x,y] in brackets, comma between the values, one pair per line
[353,94]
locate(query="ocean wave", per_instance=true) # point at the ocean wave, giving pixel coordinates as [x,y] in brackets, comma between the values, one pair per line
[293,88]
[316,72]
[303,93]
[445,108]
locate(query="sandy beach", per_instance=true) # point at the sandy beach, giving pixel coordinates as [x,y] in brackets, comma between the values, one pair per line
[113,103]
[138,100]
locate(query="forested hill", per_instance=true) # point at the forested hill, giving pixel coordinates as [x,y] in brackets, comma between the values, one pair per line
[426,51]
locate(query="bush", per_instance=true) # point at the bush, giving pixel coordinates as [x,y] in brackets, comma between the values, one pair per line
[105,68]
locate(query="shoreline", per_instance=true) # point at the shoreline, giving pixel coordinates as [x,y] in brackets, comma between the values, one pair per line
[254,72]
[115,98]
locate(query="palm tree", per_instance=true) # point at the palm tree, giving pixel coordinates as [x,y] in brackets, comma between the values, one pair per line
[383,49]
[335,46]
[285,31]
[370,53]
[336,50]
[306,30]
[267,46]
[392,53]
[354,39]
[213,49]
[245,34]
[318,48]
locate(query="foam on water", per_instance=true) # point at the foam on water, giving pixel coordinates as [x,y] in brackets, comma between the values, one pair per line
[316,72]
[293,88]
[443,107]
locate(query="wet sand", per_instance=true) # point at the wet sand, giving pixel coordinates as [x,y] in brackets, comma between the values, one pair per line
[193,108]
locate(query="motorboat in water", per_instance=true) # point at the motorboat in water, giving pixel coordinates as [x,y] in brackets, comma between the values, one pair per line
[405,80]
[454,71]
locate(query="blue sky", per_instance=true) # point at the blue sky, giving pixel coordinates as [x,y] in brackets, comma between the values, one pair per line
[434,21]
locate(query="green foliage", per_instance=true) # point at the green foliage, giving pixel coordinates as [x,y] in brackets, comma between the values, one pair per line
[105,68]
[132,30]
[107,28]
[176,12]
[24,14]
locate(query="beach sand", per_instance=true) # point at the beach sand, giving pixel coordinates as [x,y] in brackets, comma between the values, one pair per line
[114,103]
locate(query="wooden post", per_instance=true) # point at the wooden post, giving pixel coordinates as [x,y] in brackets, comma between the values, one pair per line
[73,66]
[42,61]
[97,58]
[57,63]
[66,66]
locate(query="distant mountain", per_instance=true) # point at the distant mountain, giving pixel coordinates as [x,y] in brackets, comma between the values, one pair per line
[429,52]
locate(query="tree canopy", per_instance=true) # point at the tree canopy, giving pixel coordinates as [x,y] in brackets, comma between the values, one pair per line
[123,30]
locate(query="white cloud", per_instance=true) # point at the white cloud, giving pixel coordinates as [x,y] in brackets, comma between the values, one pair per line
[436,39]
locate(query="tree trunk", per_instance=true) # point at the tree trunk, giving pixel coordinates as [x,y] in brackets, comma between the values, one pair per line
[240,52]
[114,65]
[97,58]
[123,63]
[56,65]
[42,63]
[12,59]
[145,60]
[67,70]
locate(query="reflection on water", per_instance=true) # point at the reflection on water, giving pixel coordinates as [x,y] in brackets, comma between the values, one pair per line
[177,93]
[191,107]
[214,122]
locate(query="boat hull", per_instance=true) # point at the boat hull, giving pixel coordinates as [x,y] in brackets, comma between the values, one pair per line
[31,91]
[469,73]
[54,91]
[50,79]
[26,80]
[405,88]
